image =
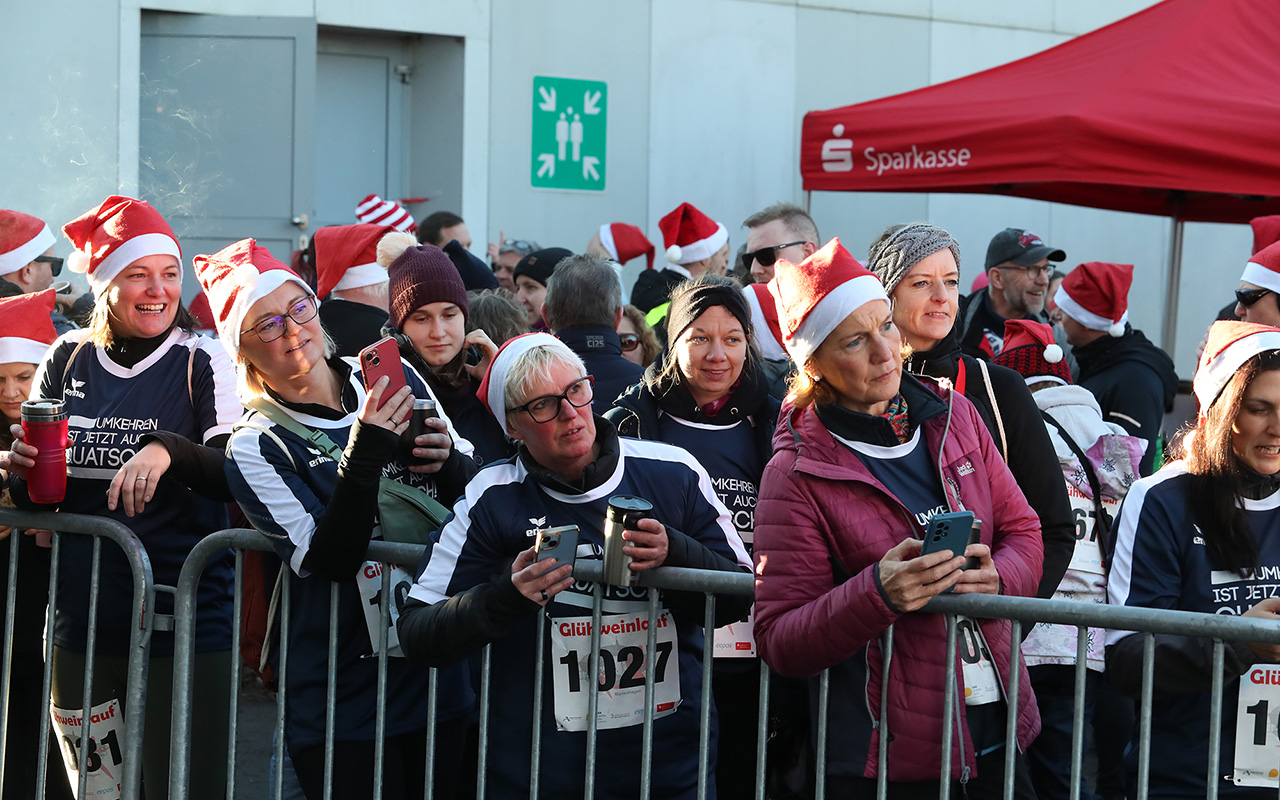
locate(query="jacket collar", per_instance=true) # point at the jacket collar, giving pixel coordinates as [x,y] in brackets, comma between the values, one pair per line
[674,398]
[596,473]
[593,340]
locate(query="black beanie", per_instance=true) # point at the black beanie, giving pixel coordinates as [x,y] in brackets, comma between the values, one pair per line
[539,264]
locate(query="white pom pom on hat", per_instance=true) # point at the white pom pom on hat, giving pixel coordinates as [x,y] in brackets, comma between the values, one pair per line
[1116,329]
[690,235]
[673,253]
[1053,353]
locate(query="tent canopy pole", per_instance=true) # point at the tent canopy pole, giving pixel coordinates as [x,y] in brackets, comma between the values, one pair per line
[1168,340]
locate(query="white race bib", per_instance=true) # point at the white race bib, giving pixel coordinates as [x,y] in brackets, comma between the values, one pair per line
[104,763]
[620,669]
[1258,728]
[737,639]
[1084,513]
[981,683]
[369,582]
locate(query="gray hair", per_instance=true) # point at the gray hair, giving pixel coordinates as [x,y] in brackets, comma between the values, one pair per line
[901,247]
[584,290]
[795,218]
[533,366]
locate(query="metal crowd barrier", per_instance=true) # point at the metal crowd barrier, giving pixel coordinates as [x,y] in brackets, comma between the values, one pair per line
[142,603]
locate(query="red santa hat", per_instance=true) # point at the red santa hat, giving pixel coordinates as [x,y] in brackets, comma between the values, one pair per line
[116,234]
[764,317]
[1030,351]
[1229,345]
[1096,295]
[814,296]
[22,238]
[28,330]
[347,257]
[689,235]
[236,277]
[1263,268]
[625,242]
[493,386]
[1266,231]
[373,210]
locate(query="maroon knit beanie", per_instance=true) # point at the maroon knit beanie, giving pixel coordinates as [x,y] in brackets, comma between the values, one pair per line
[420,275]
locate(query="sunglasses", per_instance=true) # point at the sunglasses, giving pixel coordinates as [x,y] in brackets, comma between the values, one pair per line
[767,256]
[55,263]
[1245,297]
[630,341]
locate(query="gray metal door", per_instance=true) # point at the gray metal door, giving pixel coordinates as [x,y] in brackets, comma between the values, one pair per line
[226,147]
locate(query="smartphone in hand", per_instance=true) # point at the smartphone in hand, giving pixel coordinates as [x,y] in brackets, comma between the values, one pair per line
[379,359]
[560,543]
[951,531]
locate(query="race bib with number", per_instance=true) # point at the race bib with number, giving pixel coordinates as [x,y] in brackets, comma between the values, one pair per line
[737,639]
[981,683]
[1087,556]
[620,668]
[369,582]
[104,763]
[1258,728]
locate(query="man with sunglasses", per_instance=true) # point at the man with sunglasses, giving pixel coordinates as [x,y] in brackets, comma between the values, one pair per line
[27,260]
[1018,274]
[783,230]
[1256,299]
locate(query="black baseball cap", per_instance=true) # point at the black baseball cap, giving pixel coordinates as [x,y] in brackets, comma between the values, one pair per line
[1021,247]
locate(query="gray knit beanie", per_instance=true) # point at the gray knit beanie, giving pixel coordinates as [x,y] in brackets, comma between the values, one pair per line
[903,246]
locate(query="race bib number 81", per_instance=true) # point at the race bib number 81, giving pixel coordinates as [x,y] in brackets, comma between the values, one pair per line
[620,668]
[1258,728]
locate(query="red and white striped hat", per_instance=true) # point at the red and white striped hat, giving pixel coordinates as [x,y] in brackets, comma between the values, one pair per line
[815,296]
[1263,269]
[373,210]
[236,277]
[347,257]
[689,235]
[1096,295]
[625,242]
[1229,345]
[114,235]
[493,386]
[22,238]
[28,330]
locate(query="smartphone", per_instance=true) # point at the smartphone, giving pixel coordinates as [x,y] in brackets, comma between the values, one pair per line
[560,543]
[951,531]
[382,358]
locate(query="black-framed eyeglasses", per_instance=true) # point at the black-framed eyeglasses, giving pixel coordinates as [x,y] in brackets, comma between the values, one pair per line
[547,407]
[1245,297]
[272,328]
[55,263]
[1033,271]
[630,341]
[767,256]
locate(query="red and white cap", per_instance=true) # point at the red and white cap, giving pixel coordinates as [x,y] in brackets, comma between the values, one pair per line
[347,257]
[1228,346]
[1096,295]
[28,330]
[1030,350]
[625,242]
[814,296]
[236,277]
[493,386]
[764,321]
[373,210]
[116,234]
[22,238]
[689,235]
[1266,231]
[1263,269]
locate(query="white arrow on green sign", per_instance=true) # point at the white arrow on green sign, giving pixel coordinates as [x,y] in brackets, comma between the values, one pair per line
[569,133]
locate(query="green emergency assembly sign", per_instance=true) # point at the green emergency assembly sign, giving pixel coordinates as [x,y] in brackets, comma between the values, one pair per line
[568,133]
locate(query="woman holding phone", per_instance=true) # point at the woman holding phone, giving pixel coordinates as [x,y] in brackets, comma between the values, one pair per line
[865,456]
[322,514]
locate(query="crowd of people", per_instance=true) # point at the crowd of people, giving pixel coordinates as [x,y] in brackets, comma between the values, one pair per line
[792,411]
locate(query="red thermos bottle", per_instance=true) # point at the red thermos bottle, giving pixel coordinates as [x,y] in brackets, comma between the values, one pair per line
[45,424]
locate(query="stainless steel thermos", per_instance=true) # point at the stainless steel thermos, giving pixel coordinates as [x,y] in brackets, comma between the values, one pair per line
[624,512]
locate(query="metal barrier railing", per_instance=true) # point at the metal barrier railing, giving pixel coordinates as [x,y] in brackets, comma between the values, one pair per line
[142,604]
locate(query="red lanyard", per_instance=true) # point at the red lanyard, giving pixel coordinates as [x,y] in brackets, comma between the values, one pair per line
[960,376]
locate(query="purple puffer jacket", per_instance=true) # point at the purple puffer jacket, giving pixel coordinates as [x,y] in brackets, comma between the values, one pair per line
[818,500]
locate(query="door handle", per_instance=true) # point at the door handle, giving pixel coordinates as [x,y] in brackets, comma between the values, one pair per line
[300,220]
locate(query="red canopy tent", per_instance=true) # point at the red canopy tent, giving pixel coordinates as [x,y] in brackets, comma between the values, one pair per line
[1170,111]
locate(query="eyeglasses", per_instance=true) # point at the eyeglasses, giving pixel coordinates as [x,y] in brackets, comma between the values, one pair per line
[1245,297]
[520,246]
[1032,271]
[272,328]
[630,341]
[766,255]
[55,263]
[547,407]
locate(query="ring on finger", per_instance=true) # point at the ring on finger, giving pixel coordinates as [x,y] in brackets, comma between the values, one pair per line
[545,598]
[140,478]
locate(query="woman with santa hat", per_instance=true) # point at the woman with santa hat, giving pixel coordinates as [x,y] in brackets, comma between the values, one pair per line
[1202,534]
[150,405]
[864,456]
[305,465]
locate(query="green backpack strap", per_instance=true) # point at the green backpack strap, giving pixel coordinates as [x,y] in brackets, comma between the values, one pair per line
[279,417]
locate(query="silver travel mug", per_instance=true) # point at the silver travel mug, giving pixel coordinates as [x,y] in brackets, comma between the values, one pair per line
[624,512]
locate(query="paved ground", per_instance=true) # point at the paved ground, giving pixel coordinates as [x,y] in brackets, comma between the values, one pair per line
[255,723]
